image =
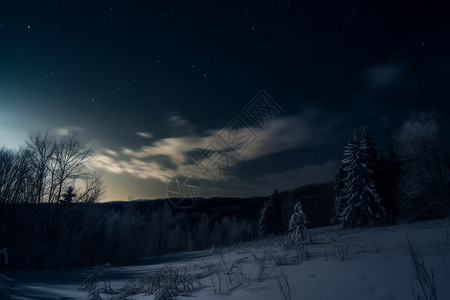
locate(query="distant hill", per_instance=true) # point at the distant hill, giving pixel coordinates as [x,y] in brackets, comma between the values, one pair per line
[317,201]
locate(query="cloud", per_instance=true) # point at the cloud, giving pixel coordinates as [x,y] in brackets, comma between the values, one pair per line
[178,121]
[137,168]
[167,157]
[177,148]
[66,130]
[384,75]
[179,126]
[144,134]
[282,134]
[296,131]
[150,161]
[111,152]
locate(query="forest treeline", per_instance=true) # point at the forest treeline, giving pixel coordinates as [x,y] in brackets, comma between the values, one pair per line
[85,234]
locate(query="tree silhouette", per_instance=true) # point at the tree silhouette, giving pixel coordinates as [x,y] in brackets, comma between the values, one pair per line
[270,221]
[363,204]
[68,196]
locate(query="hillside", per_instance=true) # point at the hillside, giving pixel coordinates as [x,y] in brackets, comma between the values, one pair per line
[372,263]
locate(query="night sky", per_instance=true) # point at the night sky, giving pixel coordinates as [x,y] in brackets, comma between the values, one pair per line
[149,84]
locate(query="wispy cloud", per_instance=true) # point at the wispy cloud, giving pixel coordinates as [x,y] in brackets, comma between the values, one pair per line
[144,134]
[385,75]
[111,152]
[179,125]
[146,162]
[151,161]
[66,130]
[135,167]
[282,134]
[175,148]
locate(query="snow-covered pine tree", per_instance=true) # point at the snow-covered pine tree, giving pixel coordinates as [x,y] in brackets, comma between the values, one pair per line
[270,221]
[384,173]
[370,145]
[339,200]
[298,225]
[363,204]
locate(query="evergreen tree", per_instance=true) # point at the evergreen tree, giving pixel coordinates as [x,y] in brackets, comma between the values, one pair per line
[371,154]
[270,221]
[339,200]
[68,196]
[363,204]
[382,171]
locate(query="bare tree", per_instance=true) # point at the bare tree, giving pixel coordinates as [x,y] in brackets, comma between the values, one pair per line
[423,158]
[42,149]
[70,159]
[15,176]
[60,163]
[93,189]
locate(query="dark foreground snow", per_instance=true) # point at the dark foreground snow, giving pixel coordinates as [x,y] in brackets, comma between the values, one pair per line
[341,264]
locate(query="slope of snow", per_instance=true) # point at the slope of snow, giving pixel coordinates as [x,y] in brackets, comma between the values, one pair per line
[342,264]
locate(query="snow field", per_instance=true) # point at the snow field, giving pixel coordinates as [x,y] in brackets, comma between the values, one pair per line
[365,263]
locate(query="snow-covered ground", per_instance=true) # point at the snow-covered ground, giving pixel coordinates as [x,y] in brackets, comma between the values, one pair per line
[341,264]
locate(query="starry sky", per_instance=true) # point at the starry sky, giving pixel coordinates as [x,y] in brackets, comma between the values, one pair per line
[150,84]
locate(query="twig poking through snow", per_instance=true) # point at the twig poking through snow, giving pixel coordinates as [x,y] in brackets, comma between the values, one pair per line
[285,288]
[424,277]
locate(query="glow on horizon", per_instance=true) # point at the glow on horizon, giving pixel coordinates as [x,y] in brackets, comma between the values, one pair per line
[12,138]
